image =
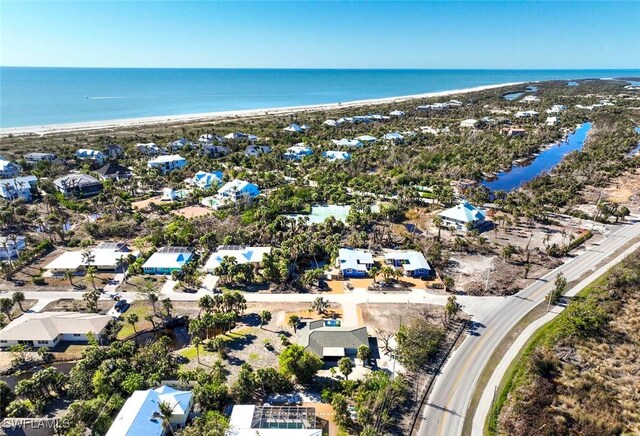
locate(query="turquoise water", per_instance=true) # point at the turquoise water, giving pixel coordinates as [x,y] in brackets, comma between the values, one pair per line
[38,96]
[543,162]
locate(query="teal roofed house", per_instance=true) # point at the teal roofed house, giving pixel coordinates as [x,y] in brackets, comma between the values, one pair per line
[167,259]
[464,216]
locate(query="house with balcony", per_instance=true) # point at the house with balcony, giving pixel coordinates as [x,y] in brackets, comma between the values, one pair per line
[8,169]
[166,164]
[21,187]
[89,155]
[464,216]
[78,185]
[10,247]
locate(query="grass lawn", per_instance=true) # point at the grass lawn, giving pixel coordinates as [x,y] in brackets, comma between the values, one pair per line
[190,353]
[140,309]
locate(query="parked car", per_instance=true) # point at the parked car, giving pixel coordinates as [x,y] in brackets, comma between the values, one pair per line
[189,290]
[122,305]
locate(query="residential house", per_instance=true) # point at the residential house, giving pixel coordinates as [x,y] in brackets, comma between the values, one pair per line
[526,114]
[412,263]
[257,150]
[330,123]
[10,247]
[86,154]
[214,151]
[205,180]
[433,107]
[366,139]
[396,113]
[114,151]
[8,169]
[114,171]
[241,254]
[298,152]
[168,163]
[294,128]
[107,256]
[141,416]
[239,136]
[267,420]
[149,149]
[18,188]
[167,259]
[393,137]
[514,131]
[551,121]
[38,157]
[530,99]
[48,329]
[468,123]
[463,216]
[344,142]
[238,190]
[78,185]
[333,155]
[556,109]
[329,340]
[179,144]
[354,262]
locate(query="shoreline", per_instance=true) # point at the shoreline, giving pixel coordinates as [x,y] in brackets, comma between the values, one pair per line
[51,129]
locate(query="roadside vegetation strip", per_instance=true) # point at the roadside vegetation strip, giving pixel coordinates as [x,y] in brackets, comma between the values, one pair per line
[547,335]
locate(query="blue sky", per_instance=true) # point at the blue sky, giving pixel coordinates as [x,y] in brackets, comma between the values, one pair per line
[475,34]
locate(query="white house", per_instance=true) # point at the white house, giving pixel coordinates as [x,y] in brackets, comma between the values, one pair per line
[463,216]
[140,415]
[297,152]
[334,155]
[252,420]
[396,113]
[551,121]
[293,128]
[237,190]
[468,123]
[179,144]
[166,164]
[48,329]
[96,156]
[257,150]
[331,123]
[393,137]
[354,262]
[433,107]
[149,148]
[205,180]
[366,138]
[167,259]
[18,187]
[37,157]
[413,263]
[8,169]
[556,109]
[344,142]
[526,114]
[237,136]
[10,247]
[530,99]
[107,256]
[240,253]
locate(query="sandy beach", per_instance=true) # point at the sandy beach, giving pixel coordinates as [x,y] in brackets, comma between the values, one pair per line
[221,115]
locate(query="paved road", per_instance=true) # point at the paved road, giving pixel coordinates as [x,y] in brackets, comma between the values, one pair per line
[449,400]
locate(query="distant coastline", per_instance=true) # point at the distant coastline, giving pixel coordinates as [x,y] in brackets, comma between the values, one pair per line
[221,115]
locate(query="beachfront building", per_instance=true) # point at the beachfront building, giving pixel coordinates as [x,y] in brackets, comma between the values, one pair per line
[551,121]
[141,416]
[267,420]
[87,154]
[344,142]
[354,262]
[16,188]
[114,171]
[48,329]
[39,157]
[464,216]
[396,113]
[257,150]
[107,256]
[526,114]
[8,169]
[168,163]
[149,149]
[412,263]
[241,254]
[395,137]
[179,144]
[205,180]
[334,155]
[10,247]
[331,341]
[298,152]
[167,259]
[78,185]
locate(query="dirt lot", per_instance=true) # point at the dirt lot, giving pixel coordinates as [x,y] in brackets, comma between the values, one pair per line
[624,190]
[66,305]
[192,211]
[387,317]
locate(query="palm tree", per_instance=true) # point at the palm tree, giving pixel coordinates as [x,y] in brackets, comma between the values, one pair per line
[132,319]
[18,298]
[373,272]
[68,275]
[293,322]
[265,317]
[166,410]
[320,305]
[88,258]
[437,221]
[196,343]
[91,274]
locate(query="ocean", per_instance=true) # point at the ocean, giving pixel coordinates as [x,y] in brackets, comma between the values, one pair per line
[42,96]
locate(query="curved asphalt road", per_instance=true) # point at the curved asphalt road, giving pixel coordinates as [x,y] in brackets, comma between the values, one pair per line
[447,405]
